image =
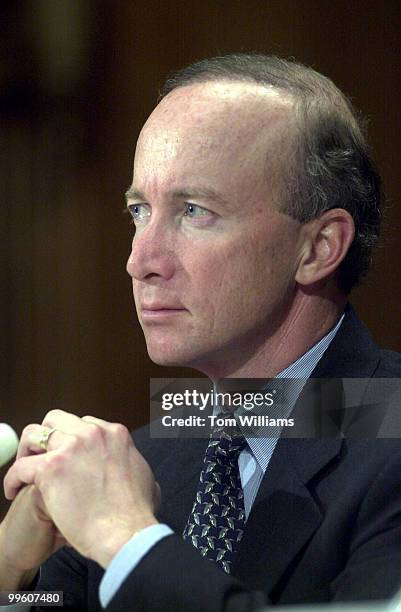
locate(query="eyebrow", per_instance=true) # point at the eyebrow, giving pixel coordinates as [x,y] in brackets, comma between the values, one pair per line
[185,193]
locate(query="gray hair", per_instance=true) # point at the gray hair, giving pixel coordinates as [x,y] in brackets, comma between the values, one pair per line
[332,165]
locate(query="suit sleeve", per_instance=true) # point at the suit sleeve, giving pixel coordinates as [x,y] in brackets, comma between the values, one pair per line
[64,571]
[173,576]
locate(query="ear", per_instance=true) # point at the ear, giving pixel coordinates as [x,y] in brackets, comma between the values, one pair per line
[326,243]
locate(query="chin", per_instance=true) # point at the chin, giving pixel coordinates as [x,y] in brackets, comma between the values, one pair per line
[173,354]
[166,356]
[164,360]
[182,359]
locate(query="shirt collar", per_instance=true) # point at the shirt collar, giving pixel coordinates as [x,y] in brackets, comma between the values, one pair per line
[299,372]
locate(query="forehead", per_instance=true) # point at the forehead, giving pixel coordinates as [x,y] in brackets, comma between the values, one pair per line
[229,109]
[217,127]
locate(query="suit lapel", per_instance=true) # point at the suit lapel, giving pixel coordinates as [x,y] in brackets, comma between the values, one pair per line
[179,475]
[284,516]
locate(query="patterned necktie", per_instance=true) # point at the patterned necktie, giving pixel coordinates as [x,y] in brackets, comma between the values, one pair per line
[216,522]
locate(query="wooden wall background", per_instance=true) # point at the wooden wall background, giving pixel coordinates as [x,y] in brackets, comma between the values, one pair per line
[77,80]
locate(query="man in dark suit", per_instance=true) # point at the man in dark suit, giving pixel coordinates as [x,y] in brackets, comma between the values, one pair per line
[256,206]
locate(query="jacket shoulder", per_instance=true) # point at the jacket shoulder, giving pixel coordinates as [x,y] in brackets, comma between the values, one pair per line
[389,365]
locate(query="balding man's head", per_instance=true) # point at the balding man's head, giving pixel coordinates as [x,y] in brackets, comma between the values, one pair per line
[329,164]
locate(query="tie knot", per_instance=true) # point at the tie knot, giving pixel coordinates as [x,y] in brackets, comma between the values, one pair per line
[226,442]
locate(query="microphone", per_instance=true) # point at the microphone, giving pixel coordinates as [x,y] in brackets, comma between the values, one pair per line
[8,443]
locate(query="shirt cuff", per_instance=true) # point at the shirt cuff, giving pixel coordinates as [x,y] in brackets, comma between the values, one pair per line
[128,558]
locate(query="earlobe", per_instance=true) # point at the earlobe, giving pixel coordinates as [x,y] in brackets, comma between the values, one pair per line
[327,241]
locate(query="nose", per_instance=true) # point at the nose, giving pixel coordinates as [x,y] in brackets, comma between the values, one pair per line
[152,255]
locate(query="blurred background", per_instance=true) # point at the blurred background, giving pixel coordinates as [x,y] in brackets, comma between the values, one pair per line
[77,80]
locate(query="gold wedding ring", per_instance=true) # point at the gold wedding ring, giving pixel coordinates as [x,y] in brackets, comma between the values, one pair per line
[44,440]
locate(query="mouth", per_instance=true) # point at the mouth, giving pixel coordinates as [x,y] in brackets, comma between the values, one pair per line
[159,311]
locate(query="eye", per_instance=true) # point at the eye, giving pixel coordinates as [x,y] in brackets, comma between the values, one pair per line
[193,211]
[139,212]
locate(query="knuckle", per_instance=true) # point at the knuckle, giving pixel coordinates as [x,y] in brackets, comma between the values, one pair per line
[119,430]
[74,444]
[121,435]
[28,429]
[53,463]
[95,434]
[52,414]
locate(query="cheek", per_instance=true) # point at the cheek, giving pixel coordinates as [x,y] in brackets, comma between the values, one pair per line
[228,277]
[249,275]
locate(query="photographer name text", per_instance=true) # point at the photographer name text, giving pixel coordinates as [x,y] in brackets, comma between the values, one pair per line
[244,420]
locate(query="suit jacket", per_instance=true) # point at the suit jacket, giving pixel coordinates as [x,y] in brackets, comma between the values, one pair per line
[325,525]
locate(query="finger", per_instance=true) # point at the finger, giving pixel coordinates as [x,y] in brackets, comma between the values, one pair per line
[27,444]
[116,429]
[96,421]
[21,473]
[32,437]
[65,421]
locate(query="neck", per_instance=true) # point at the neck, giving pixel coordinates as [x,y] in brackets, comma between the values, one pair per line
[307,321]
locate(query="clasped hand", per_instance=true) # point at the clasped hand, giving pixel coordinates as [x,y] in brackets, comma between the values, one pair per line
[96,487]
